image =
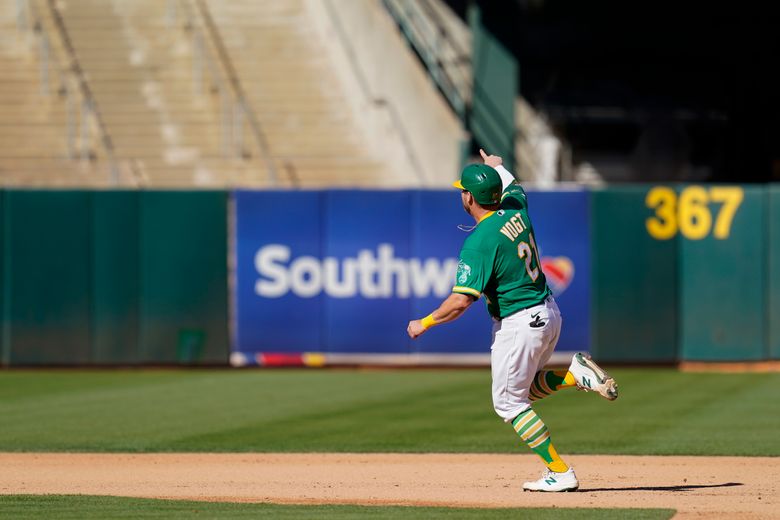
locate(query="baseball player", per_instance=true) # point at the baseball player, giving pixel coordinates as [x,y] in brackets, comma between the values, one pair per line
[500,261]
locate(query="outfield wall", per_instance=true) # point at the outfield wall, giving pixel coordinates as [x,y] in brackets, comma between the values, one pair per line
[634,280]
[686,272]
[345,271]
[772,300]
[642,274]
[114,277]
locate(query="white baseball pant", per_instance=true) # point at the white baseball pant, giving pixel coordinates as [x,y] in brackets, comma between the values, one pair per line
[518,352]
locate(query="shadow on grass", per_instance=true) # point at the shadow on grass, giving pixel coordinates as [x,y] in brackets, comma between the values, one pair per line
[685,487]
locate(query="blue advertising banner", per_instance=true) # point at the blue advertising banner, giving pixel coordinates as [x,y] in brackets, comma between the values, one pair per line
[436,238]
[278,247]
[561,227]
[365,233]
[343,271]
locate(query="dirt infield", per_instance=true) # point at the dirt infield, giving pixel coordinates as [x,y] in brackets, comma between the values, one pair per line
[698,487]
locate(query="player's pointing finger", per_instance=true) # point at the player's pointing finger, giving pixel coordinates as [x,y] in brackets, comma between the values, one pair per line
[483,154]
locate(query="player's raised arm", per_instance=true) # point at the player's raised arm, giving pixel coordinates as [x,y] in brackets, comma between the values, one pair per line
[450,309]
[495,162]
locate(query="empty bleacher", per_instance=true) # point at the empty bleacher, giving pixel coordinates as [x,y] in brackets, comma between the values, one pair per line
[139,69]
[33,149]
[286,76]
[166,80]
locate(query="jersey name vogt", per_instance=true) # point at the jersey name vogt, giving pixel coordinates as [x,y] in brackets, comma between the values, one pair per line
[500,259]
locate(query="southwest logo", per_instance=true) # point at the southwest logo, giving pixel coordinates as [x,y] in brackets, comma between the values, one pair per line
[559,271]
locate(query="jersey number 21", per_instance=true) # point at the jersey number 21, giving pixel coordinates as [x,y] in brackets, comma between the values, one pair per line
[529,254]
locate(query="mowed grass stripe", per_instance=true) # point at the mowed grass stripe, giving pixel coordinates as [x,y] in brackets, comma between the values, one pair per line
[79,507]
[660,411]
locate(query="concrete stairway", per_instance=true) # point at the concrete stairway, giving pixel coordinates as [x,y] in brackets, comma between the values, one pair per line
[295,94]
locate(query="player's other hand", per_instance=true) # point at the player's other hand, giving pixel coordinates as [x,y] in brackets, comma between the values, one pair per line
[415,329]
[490,160]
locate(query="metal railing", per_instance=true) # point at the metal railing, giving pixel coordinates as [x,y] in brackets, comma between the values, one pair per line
[448,64]
[212,64]
[450,67]
[84,126]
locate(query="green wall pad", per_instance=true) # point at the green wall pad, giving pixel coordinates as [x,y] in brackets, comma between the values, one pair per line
[634,280]
[5,278]
[48,275]
[774,273]
[722,273]
[115,277]
[183,237]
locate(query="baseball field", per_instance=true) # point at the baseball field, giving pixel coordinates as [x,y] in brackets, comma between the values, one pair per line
[378,444]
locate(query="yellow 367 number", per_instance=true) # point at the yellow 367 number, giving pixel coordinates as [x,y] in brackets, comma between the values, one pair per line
[690,212]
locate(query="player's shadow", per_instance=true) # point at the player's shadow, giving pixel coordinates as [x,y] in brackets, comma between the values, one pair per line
[684,487]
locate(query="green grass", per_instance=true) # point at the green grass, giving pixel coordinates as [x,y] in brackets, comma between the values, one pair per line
[660,411]
[79,507]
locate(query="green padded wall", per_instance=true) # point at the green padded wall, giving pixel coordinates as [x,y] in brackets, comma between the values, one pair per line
[633,281]
[723,284]
[773,287]
[5,344]
[48,308]
[183,237]
[115,277]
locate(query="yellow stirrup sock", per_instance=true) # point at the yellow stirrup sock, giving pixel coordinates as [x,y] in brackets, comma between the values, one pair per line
[547,382]
[534,433]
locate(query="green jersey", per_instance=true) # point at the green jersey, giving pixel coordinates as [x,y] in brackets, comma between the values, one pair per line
[500,259]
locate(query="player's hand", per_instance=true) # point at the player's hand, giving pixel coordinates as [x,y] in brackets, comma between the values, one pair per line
[491,160]
[415,329]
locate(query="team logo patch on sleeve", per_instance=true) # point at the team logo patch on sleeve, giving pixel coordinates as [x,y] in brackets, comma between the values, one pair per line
[464,271]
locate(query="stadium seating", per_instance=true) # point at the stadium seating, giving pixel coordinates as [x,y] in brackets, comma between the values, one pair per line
[139,60]
[139,69]
[287,79]
[32,124]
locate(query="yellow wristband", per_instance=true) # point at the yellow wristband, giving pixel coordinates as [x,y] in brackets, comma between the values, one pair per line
[428,321]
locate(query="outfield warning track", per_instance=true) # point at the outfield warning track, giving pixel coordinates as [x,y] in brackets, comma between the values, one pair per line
[697,487]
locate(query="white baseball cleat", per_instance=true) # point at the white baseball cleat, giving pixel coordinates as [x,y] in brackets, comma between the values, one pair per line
[554,482]
[589,376]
